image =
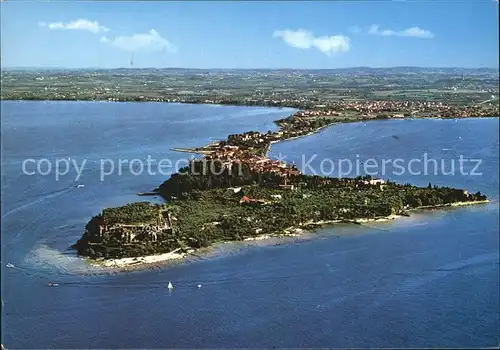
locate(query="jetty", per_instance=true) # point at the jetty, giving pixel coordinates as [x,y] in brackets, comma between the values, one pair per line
[190,150]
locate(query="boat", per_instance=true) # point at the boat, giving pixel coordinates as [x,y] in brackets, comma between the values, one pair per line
[10,265]
[170,286]
[80,186]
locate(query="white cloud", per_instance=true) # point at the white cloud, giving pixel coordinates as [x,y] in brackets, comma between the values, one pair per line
[79,24]
[304,39]
[104,39]
[152,41]
[414,32]
[417,32]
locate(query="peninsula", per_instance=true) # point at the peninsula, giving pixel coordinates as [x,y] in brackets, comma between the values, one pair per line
[237,193]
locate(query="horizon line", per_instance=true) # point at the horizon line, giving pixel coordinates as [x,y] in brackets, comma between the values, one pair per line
[260,68]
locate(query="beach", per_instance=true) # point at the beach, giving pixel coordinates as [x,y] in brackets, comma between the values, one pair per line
[138,261]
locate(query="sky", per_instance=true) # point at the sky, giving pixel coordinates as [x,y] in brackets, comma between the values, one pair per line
[252,34]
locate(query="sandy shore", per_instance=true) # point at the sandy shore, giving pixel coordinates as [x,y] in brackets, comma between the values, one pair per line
[258,238]
[456,204]
[141,260]
[300,136]
[379,219]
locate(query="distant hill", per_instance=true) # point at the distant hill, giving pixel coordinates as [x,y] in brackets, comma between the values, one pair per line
[349,70]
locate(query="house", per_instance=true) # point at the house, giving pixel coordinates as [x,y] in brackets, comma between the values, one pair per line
[251,201]
[374,182]
[244,199]
[235,189]
[287,187]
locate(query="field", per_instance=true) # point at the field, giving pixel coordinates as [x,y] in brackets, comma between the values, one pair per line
[293,88]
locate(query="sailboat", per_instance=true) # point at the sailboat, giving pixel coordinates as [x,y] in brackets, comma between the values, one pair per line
[170,286]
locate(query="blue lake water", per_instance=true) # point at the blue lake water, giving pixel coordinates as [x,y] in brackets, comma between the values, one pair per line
[431,280]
